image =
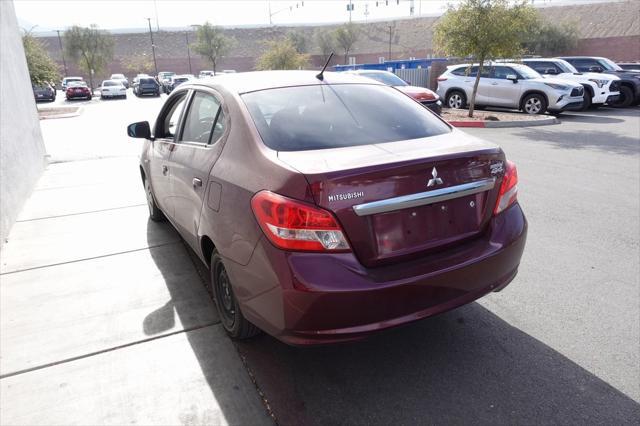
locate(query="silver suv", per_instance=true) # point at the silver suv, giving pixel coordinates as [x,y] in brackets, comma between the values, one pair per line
[509,86]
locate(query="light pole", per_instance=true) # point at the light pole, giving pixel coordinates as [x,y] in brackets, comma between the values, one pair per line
[153,46]
[64,62]
[186,35]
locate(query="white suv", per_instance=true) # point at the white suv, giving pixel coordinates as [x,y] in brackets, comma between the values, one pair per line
[599,88]
[509,85]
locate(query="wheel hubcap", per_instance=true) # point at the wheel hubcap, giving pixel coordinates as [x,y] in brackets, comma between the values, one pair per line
[533,106]
[224,293]
[455,101]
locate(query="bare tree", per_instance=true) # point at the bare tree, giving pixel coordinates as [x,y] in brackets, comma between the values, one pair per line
[346,36]
[327,43]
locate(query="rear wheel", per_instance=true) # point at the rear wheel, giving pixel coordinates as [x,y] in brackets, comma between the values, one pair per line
[234,323]
[534,104]
[626,97]
[154,211]
[456,99]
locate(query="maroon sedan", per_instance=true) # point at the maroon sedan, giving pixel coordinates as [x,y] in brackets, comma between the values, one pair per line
[329,208]
[426,97]
[78,90]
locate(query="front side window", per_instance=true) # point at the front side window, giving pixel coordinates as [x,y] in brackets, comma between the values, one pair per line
[503,72]
[202,115]
[333,116]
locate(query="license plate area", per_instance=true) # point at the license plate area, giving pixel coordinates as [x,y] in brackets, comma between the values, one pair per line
[424,227]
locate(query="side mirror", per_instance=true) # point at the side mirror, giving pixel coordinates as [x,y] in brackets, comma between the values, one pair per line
[140,130]
[550,71]
[512,77]
[595,69]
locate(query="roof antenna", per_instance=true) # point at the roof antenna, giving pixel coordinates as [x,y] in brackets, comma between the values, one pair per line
[321,75]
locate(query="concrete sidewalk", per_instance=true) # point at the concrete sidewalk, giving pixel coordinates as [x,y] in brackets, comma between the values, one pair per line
[104,318]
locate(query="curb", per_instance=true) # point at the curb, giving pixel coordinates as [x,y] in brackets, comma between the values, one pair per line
[503,124]
[69,115]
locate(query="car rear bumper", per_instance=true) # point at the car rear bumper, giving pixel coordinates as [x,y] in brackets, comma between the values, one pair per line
[314,298]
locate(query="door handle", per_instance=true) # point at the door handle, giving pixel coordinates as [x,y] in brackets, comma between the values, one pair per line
[165,170]
[494,84]
[196,182]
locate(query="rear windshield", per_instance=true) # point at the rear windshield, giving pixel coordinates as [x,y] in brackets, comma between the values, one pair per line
[333,116]
[386,78]
[147,81]
[111,83]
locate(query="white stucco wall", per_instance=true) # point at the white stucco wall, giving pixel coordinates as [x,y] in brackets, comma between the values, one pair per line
[22,152]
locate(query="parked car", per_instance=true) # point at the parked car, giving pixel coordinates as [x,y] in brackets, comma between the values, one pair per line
[121,78]
[137,78]
[44,92]
[329,209]
[600,89]
[177,80]
[206,73]
[146,86]
[631,66]
[78,90]
[509,85]
[423,95]
[113,89]
[164,78]
[67,80]
[629,80]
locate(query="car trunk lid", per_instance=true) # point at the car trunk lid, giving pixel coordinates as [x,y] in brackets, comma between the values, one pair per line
[398,199]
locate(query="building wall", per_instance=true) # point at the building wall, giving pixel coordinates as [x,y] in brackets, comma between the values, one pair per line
[22,153]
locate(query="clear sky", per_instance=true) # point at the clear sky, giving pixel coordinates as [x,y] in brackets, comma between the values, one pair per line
[119,14]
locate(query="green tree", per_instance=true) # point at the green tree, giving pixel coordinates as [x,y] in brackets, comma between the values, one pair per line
[550,40]
[212,44]
[327,43]
[299,41]
[346,36]
[282,55]
[91,48]
[42,69]
[484,30]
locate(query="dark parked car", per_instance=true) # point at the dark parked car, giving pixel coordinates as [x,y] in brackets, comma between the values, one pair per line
[629,80]
[78,90]
[177,80]
[631,66]
[328,209]
[146,86]
[44,92]
[426,97]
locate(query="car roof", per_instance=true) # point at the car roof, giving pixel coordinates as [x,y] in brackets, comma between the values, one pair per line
[581,57]
[368,72]
[253,81]
[72,78]
[507,64]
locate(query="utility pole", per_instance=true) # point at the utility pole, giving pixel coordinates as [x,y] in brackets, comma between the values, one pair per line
[350,7]
[153,46]
[390,33]
[186,35]
[64,62]
[155,4]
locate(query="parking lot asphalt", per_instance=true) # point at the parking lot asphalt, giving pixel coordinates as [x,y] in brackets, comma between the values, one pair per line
[118,328]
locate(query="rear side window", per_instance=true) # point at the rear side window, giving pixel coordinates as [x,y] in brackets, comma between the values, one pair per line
[333,116]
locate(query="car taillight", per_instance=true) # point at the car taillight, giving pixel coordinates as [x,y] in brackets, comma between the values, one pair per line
[293,225]
[508,189]
[426,96]
[442,78]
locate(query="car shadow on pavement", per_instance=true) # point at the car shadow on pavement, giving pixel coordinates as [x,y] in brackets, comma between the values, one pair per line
[466,366]
[592,119]
[599,140]
[191,308]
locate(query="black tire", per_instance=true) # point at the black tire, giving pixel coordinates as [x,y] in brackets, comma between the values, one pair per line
[155,213]
[234,323]
[586,102]
[534,104]
[626,98]
[456,99]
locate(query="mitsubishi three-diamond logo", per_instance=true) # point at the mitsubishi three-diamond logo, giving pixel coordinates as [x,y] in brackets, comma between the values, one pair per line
[436,180]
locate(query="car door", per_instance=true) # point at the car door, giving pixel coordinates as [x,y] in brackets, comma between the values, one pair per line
[196,150]
[482,95]
[504,92]
[166,127]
